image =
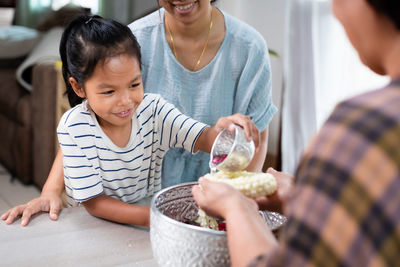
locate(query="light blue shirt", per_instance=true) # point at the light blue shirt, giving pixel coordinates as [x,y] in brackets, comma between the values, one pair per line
[237,80]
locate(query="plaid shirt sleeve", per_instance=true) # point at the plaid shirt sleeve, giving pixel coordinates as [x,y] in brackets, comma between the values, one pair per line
[345,208]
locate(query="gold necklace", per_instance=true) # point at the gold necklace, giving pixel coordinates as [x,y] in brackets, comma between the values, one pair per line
[205,45]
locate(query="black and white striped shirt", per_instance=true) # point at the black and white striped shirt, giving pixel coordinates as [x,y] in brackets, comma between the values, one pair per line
[94,165]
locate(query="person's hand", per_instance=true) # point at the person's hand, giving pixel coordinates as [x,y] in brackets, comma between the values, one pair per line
[219,199]
[48,202]
[244,121]
[276,201]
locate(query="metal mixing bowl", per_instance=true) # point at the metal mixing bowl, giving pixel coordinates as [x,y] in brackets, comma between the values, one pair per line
[176,243]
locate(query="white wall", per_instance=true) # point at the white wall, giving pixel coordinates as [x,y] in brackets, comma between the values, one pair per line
[142,6]
[269,18]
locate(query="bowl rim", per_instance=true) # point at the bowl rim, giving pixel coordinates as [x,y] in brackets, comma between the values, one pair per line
[170,220]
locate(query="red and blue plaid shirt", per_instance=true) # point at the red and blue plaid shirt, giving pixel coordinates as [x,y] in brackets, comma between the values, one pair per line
[345,207]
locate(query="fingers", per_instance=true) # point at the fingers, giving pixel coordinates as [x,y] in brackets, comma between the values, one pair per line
[246,123]
[196,192]
[11,215]
[243,121]
[34,206]
[55,208]
[201,192]
[4,216]
[249,128]
[271,170]
[26,215]
[198,196]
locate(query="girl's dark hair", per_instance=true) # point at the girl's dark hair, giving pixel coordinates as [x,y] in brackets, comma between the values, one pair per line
[88,40]
[389,8]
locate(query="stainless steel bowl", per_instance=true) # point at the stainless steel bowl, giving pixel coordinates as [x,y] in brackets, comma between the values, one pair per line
[175,242]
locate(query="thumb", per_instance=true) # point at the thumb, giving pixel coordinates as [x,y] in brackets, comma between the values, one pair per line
[203,182]
[54,210]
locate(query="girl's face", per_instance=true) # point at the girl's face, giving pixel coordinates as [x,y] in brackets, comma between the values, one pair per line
[186,11]
[362,26]
[114,91]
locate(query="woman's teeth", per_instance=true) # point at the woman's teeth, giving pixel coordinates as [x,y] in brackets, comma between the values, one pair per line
[185,7]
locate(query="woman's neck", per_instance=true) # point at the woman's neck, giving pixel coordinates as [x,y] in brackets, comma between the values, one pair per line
[195,30]
[392,62]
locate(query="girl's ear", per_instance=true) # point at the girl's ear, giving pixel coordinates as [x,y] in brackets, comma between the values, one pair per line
[78,89]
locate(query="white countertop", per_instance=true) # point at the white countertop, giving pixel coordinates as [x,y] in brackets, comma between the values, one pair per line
[75,239]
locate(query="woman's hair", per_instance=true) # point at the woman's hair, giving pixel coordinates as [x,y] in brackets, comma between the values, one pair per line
[89,40]
[389,8]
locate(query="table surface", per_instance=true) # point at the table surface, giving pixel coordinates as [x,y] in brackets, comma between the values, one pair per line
[76,238]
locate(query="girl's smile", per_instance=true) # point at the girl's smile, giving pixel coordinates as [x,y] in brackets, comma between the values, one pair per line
[123,114]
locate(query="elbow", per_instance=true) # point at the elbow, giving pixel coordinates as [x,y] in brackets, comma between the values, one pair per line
[91,206]
[90,209]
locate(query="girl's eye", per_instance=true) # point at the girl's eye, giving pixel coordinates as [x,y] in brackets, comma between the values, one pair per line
[134,85]
[109,92]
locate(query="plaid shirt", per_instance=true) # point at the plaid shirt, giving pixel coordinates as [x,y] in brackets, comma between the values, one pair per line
[345,207]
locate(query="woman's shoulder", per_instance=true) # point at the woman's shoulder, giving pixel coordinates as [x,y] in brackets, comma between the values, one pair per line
[240,31]
[362,109]
[376,98]
[146,23]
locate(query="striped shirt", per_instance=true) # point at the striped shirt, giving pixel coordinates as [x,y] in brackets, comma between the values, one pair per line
[345,208]
[94,165]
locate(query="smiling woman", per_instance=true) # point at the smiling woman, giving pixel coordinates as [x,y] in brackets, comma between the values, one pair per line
[208,64]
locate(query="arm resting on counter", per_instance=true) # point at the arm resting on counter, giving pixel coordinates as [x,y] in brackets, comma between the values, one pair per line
[111,209]
[49,200]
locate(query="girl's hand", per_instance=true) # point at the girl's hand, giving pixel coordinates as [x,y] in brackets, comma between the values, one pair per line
[243,121]
[276,201]
[220,199]
[47,202]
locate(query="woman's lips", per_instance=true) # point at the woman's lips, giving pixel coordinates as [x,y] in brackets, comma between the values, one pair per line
[186,8]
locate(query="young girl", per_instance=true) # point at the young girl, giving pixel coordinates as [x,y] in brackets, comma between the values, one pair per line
[114,138]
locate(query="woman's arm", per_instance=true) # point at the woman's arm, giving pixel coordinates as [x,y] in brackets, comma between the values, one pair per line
[260,153]
[111,209]
[49,200]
